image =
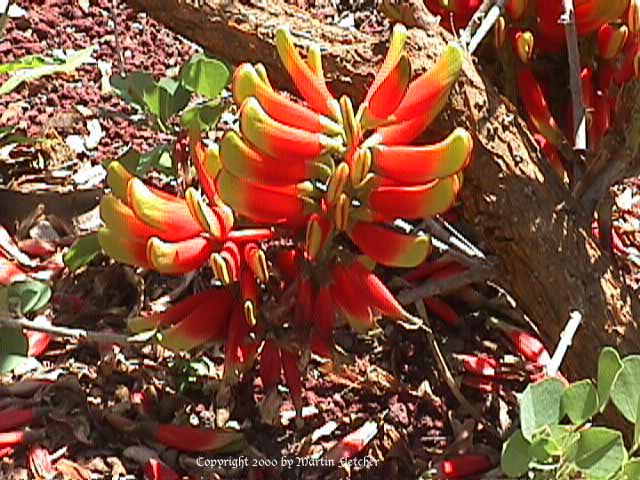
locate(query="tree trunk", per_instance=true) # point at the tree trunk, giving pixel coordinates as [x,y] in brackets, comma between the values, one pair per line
[522,211]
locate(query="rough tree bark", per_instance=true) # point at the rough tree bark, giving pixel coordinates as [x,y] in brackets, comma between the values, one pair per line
[521,209]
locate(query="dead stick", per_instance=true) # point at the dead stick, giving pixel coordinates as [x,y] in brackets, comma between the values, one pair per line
[492,16]
[75,333]
[438,287]
[573,54]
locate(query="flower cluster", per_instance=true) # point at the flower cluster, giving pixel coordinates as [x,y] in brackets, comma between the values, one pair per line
[320,186]
[608,31]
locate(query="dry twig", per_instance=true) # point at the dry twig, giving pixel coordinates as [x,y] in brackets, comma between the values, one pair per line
[446,372]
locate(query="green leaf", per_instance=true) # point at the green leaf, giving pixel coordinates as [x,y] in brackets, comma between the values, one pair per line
[600,452]
[201,118]
[632,469]
[515,455]
[205,76]
[625,391]
[29,61]
[24,297]
[179,95]
[28,74]
[609,366]
[13,348]
[542,449]
[6,131]
[160,158]
[580,401]
[133,87]
[83,251]
[540,406]
[636,429]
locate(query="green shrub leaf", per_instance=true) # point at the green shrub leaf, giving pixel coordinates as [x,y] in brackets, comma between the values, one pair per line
[515,455]
[609,366]
[13,348]
[625,391]
[201,117]
[83,250]
[34,68]
[205,76]
[580,401]
[600,452]
[540,406]
[632,469]
[138,164]
[24,297]
[636,429]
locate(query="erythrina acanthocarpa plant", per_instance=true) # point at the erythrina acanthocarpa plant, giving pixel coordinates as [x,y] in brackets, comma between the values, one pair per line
[322,185]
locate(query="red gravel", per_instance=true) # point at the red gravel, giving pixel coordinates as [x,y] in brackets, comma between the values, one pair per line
[50,102]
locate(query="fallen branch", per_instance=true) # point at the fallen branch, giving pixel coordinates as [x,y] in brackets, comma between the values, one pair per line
[566,339]
[487,23]
[573,54]
[438,287]
[64,332]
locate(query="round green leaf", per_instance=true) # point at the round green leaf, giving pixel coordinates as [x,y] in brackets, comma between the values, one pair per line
[632,469]
[515,455]
[540,406]
[609,366]
[13,348]
[542,449]
[600,452]
[24,297]
[580,401]
[205,76]
[625,391]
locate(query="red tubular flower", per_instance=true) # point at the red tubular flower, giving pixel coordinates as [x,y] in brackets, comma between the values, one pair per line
[485,385]
[13,418]
[590,16]
[527,345]
[632,16]
[270,365]
[324,312]
[10,272]
[14,438]
[551,152]
[38,342]
[630,67]
[192,439]
[457,11]
[465,466]
[354,443]
[536,106]
[39,461]
[240,350]
[157,470]
[434,270]
[482,365]
[350,302]
[293,377]
[522,43]
[442,310]
[6,452]
[611,40]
